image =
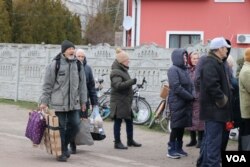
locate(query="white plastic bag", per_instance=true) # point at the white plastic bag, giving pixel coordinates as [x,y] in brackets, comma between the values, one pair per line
[96,127]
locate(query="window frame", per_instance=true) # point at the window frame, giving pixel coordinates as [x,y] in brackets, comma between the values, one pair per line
[168,33]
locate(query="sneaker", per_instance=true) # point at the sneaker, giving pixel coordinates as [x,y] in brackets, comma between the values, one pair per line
[181,153]
[173,155]
[179,150]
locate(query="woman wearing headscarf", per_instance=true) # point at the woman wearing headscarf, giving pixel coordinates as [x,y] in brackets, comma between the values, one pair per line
[197,124]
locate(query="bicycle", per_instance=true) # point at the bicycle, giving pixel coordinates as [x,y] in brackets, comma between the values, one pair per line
[140,107]
[103,99]
[162,114]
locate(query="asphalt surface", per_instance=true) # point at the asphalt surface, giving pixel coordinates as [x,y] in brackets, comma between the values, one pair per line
[17,150]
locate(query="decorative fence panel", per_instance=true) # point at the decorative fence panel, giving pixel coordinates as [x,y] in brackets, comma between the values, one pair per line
[22,67]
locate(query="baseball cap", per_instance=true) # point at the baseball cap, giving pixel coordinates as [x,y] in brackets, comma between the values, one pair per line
[218,42]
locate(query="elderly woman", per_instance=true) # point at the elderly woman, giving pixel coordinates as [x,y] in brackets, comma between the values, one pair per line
[197,124]
[181,96]
[121,99]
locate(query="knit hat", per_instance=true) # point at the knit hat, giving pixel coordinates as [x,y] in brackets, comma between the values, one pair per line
[65,45]
[121,55]
[247,54]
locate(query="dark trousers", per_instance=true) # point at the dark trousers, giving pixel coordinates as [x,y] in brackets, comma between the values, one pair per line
[210,152]
[225,138]
[69,126]
[117,129]
[176,134]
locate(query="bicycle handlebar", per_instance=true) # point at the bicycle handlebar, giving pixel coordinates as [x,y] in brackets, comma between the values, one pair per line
[139,86]
[164,80]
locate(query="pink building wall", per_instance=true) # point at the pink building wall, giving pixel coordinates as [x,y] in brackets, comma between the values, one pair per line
[214,19]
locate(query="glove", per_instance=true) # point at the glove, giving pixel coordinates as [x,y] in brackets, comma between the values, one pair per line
[135,80]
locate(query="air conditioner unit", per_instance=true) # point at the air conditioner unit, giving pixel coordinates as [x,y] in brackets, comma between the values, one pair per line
[243,38]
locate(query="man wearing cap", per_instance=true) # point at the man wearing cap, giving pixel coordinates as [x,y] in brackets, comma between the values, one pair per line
[64,90]
[215,106]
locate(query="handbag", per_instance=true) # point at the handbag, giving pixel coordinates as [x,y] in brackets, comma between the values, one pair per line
[83,136]
[35,127]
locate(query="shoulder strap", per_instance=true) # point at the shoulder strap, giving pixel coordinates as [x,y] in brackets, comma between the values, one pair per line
[57,67]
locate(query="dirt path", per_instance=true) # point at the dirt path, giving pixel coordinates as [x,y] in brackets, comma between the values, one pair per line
[16,150]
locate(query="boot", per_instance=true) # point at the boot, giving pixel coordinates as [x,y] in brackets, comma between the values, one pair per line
[62,158]
[193,140]
[67,153]
[119,145]
[198,144]
[131,142]
[200,135]
[179,150]
[172,151]
[72,148]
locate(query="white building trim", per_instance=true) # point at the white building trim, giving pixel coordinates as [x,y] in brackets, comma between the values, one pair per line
[168,33]
[136,23]
[125,8]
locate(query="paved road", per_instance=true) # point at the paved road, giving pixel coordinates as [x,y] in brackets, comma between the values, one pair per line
[17,151]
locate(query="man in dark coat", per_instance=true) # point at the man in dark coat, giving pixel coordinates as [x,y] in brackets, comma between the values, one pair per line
[215,106]
[121,99]
[181,96]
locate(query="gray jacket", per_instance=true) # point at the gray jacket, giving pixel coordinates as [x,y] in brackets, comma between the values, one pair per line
[68,90]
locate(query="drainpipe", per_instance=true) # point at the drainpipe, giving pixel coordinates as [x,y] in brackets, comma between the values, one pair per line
[135,23]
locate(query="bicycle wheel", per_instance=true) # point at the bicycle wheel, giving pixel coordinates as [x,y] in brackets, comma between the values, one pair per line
[152,122]
[165,124]
[105,110]
[141,111]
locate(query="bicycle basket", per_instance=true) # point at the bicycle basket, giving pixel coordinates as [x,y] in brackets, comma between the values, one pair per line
[164,91]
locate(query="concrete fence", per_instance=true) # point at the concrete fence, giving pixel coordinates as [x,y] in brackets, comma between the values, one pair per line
[22,67]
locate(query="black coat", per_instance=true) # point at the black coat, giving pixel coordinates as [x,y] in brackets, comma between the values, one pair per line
[181,94]
[90,82]
[121,92]
[215,90]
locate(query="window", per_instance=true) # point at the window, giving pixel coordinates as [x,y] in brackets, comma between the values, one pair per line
[229,0]
[182,39]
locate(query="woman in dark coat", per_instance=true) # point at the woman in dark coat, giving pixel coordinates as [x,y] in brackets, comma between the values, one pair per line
[181,96]
[121,99]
